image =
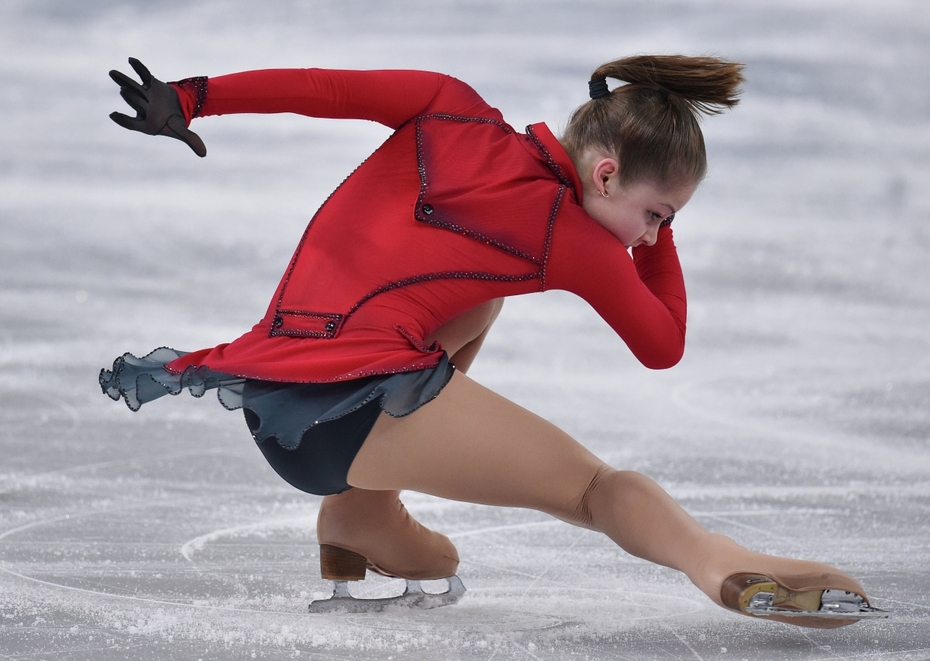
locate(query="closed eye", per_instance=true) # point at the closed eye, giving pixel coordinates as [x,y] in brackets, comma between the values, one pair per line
[662,220]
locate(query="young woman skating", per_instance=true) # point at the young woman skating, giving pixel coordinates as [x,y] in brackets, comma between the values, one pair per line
[354,383]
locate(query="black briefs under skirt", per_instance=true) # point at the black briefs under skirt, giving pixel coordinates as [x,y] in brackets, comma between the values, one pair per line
[308,432]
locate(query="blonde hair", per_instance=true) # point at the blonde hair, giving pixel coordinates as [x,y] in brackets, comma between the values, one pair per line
[651,124]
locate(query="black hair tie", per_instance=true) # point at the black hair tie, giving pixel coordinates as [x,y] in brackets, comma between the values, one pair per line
[665,93]
[598,88]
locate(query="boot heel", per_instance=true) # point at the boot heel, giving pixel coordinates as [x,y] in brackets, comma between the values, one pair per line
[338,564]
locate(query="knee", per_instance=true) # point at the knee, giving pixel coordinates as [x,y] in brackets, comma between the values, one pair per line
[581,511]
[608,488]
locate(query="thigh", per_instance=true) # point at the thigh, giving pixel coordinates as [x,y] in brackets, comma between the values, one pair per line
[473,445]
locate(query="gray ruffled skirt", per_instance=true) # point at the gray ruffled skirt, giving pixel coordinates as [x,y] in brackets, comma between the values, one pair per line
[309,432]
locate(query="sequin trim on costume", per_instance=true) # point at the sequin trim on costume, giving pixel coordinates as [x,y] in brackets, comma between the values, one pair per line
[302,323]
[415,341]
[443,275]
[141,380]
[424,211]
[549,159]
[552,214]
[198,87]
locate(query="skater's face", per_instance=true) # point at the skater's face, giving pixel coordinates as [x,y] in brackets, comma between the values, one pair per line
[632,212]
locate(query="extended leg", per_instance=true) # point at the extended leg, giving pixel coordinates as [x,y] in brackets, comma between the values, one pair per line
[472,445]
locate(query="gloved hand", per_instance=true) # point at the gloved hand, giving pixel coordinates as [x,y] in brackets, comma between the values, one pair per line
[158,109]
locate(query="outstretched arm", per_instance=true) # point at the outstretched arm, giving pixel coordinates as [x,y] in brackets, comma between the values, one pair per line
[391,98]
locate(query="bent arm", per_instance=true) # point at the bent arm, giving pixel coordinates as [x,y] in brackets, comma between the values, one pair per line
[642,298]
[388,97]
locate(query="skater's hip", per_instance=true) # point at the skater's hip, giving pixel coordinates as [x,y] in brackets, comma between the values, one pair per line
[310,433]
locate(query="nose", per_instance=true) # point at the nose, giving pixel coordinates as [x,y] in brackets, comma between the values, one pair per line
[649,238]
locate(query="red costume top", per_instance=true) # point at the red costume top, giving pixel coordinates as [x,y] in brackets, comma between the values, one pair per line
[454,209]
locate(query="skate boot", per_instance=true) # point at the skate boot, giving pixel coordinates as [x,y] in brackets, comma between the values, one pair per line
[361,530]
[806,594]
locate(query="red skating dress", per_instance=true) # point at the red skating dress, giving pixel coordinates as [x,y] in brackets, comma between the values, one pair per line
[455,209]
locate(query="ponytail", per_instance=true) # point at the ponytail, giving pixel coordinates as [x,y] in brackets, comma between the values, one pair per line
[651,124]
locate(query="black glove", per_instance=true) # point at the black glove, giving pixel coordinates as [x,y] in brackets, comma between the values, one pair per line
[158,109]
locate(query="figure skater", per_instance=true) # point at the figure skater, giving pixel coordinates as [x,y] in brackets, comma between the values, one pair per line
[354,384]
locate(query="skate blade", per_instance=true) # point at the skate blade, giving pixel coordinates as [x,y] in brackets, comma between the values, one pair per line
[413,597]
[835,605]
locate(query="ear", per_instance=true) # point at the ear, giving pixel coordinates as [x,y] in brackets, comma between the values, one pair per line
[604,170]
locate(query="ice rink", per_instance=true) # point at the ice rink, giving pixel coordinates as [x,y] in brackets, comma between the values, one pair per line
[797,423]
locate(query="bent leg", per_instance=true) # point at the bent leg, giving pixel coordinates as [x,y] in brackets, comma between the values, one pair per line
[359,520]
[375,522]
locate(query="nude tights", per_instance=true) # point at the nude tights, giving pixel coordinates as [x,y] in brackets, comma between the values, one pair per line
[473,445]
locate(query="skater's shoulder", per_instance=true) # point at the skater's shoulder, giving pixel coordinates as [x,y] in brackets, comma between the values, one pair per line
[456,97]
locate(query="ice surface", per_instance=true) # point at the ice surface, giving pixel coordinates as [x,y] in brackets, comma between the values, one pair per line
[798,422]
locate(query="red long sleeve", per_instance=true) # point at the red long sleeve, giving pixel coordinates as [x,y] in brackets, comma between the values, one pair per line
[389,97]
[643,298]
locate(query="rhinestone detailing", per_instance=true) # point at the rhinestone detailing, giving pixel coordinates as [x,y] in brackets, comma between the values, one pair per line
[198,87]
